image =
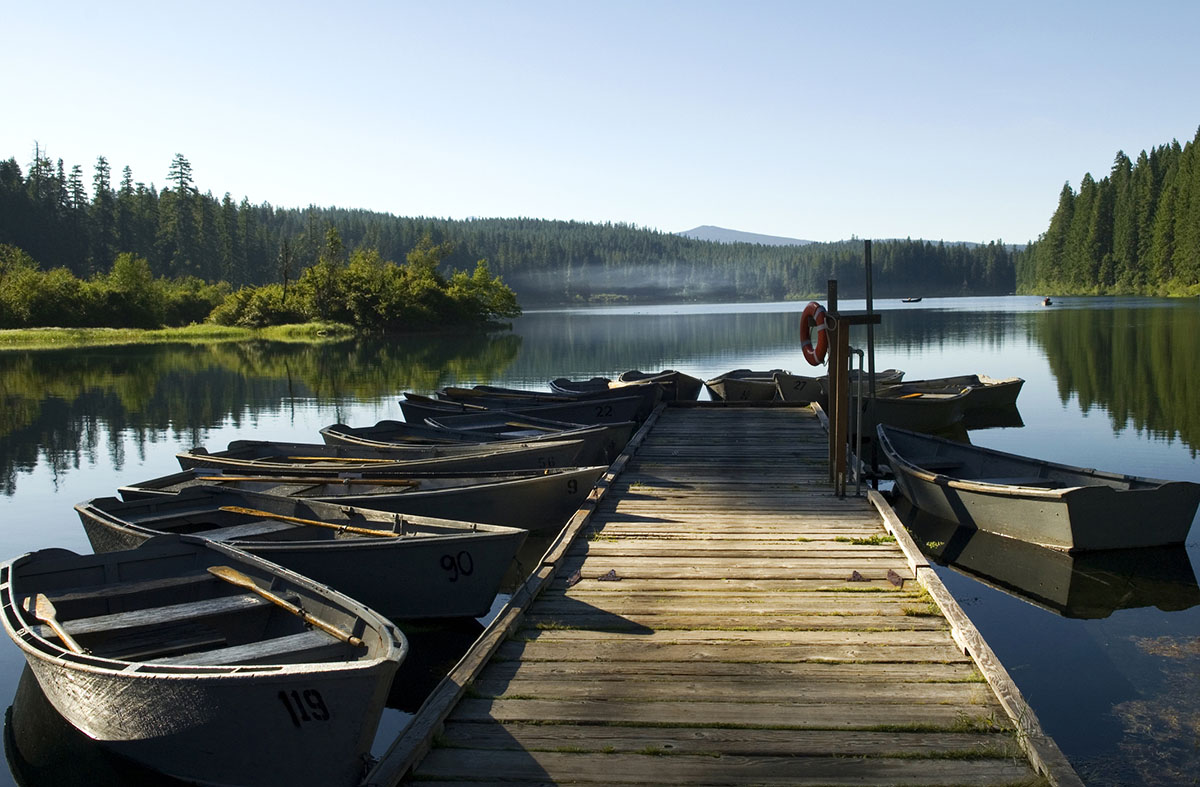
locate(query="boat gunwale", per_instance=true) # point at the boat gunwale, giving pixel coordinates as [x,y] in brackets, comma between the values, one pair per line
[458,529]
[945,479]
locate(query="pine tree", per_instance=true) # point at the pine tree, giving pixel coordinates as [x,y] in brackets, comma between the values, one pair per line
[103,218]
[1145,198]
[1187,214]
[1124,226]
[177,234]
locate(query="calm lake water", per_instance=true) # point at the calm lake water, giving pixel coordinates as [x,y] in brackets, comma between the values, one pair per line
[1107,651]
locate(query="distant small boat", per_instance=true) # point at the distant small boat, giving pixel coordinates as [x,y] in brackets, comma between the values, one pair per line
[1047,302]
[204,663]
[910,300]
[1054,505]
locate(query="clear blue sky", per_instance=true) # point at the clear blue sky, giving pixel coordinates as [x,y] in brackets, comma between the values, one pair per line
[816,120]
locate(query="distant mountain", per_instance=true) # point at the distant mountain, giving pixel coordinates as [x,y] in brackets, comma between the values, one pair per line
[722,235]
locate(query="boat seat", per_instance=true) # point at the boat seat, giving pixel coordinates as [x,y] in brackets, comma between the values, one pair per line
[247,530]
[160,642]
[1029,480]
[157,616]
[306,646]
[134,588]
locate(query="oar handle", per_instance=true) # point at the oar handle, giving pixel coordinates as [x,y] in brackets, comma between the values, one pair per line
[235,577]
[365,531]
[44,611]
[356,459]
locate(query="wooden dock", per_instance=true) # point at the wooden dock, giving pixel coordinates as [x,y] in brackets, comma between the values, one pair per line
[716,615]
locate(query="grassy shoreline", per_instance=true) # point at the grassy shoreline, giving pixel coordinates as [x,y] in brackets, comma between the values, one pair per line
[49,338]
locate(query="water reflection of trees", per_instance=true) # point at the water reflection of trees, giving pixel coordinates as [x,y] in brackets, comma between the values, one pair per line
[67,406]
[1138,364]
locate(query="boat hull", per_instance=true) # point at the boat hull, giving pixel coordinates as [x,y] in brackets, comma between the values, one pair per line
[1088,510]
[198,731]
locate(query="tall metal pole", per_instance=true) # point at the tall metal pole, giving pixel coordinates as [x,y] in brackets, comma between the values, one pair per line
[832,377]
[870,356]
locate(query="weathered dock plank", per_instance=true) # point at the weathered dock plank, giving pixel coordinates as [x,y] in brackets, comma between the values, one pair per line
[719,616]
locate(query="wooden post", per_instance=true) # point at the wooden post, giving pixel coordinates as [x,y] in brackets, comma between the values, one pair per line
[831,375]
[841,337]
[871,356]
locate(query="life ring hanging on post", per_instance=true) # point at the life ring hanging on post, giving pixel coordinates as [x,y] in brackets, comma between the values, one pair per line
[814,315]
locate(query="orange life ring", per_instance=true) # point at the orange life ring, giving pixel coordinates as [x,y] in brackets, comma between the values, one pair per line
[814,315]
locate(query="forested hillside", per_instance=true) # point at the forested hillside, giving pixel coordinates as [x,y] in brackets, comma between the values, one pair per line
[64,218]
[1136,230]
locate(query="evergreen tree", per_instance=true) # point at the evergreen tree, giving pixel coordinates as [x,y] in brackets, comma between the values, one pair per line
[1124,224]
[103,218]
[1162,264]
[1145,193]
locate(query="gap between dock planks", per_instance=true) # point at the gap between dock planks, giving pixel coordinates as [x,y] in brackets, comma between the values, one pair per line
[753,637]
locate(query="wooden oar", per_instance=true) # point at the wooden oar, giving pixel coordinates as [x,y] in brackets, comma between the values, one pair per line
[535,427]
[356,459]
[43,610]
[284,479]
[365,531]
[235,577]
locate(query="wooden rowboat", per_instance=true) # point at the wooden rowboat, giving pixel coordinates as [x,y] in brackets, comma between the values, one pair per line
[401,565]
[204,663]
[1055,505]
[602,443]
[266,456]
[982,392]
[529,499]
[921,412]
[744,385]
[676,385]
[502,398]
[802,388]
[608,410]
